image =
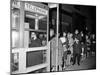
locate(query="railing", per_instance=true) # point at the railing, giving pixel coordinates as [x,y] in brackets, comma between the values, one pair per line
[22,59]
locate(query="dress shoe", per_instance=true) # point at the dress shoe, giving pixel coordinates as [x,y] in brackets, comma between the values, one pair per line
[78,64]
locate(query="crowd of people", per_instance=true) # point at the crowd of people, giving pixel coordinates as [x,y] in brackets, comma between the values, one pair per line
[72,48]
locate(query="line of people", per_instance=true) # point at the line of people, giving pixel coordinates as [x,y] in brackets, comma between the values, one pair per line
[72,48]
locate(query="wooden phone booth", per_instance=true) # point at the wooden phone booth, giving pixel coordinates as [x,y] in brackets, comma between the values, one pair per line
[28,18]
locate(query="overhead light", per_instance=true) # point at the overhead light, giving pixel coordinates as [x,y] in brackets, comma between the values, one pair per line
[52,5]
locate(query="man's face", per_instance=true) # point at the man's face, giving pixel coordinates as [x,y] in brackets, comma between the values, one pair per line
[93,36]
[68,35]
[41,36]
[86,37]
[71,35]
[33,35]
[82,34]
[64,34]
[76,32]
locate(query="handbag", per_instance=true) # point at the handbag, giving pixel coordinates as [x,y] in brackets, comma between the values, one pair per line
[68,52]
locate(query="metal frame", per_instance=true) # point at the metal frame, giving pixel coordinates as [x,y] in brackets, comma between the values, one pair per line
[57,31]
[57,37]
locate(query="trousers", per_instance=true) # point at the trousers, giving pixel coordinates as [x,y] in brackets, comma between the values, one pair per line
[76,56]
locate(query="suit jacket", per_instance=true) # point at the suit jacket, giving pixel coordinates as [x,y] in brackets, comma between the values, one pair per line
[77,48]
[35,43]
[78,36]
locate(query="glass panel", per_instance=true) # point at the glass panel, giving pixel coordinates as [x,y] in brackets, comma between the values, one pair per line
[43,23]
[37,29]
[36,21]
[35,58]
[31,22]
[37,39]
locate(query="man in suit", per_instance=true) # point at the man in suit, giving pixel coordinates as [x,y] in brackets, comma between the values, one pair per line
[76,48]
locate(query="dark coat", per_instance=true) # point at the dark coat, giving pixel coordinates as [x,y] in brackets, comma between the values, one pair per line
[78,36]
[77,48]
[35,43]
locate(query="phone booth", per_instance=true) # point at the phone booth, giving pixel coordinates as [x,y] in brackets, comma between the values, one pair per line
[30,49]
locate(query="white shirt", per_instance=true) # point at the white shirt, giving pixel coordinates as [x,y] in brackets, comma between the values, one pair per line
[63,39]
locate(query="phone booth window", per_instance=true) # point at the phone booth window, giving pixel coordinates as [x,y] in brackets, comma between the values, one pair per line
[36,31]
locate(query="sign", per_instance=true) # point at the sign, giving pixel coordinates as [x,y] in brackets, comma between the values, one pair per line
[30,7]
[35,9]
[16,4]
